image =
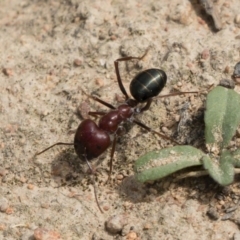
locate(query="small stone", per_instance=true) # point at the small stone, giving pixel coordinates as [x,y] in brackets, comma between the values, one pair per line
[205,54]
[3,227]
[84,109]
[77,62]
[9,210]
[99,82]
[119,98]
[45,234]
[222,202]
[8,71]
[177,117]
[227,83]
[101,35]
[182,13]
[45,205]
[236,73]
[3,172]
[106,208]
[113,37]
[119,177]
[212,213]
[131,236]
[30,186]
[164,129]
[147,226]
[179,84]
[127,204]
[226,69]
[3,204]
[237,19]
[116,223]
[22,179]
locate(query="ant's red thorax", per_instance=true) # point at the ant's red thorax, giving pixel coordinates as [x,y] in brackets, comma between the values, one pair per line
[111,121]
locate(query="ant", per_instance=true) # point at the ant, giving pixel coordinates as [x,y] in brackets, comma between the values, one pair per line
[92,139]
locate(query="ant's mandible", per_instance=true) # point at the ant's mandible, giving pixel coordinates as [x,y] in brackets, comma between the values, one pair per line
[92,139]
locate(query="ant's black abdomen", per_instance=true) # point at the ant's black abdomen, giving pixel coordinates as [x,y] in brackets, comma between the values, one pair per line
[148,84]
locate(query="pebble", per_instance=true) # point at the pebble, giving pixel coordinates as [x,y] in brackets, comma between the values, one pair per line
[77,62]
[221,202]
[106,208]
[131,236]
[9,210]
[237,19]
[205,54]
[164,129]
[179,84]
[116,223]
[99,82]
[147,226]
[212,213]
[181,13]
[84,109]
[7,71]
[236,73]
[45,234]
[3,171]
[3,227]
[227,83]
[177,117]
[45,205]
[30,186]
[119,177]
[227,69]
[3,204]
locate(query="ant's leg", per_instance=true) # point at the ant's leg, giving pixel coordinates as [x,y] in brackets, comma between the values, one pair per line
[174,94]
[113,144]
[147,106]
[120,84]
[95,114]
[153,131]
[94,183]
[46,149]
[99,100]
[111,156]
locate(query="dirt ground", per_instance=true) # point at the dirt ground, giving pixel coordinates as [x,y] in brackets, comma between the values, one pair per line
[49,52]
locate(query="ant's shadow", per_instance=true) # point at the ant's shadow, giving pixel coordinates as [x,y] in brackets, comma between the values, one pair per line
[66,168]
[133,190]
[203,189]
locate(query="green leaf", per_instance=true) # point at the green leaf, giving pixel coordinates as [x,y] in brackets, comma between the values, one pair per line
[158,164]
[221,170]
[222,117]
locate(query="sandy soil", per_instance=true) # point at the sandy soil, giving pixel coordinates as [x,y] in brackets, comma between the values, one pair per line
[49,51]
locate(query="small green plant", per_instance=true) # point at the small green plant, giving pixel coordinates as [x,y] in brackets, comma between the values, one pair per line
[222,117]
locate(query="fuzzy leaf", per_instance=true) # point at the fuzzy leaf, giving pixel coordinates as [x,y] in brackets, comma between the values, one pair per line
[158,164]
[222,170]
[222,117]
